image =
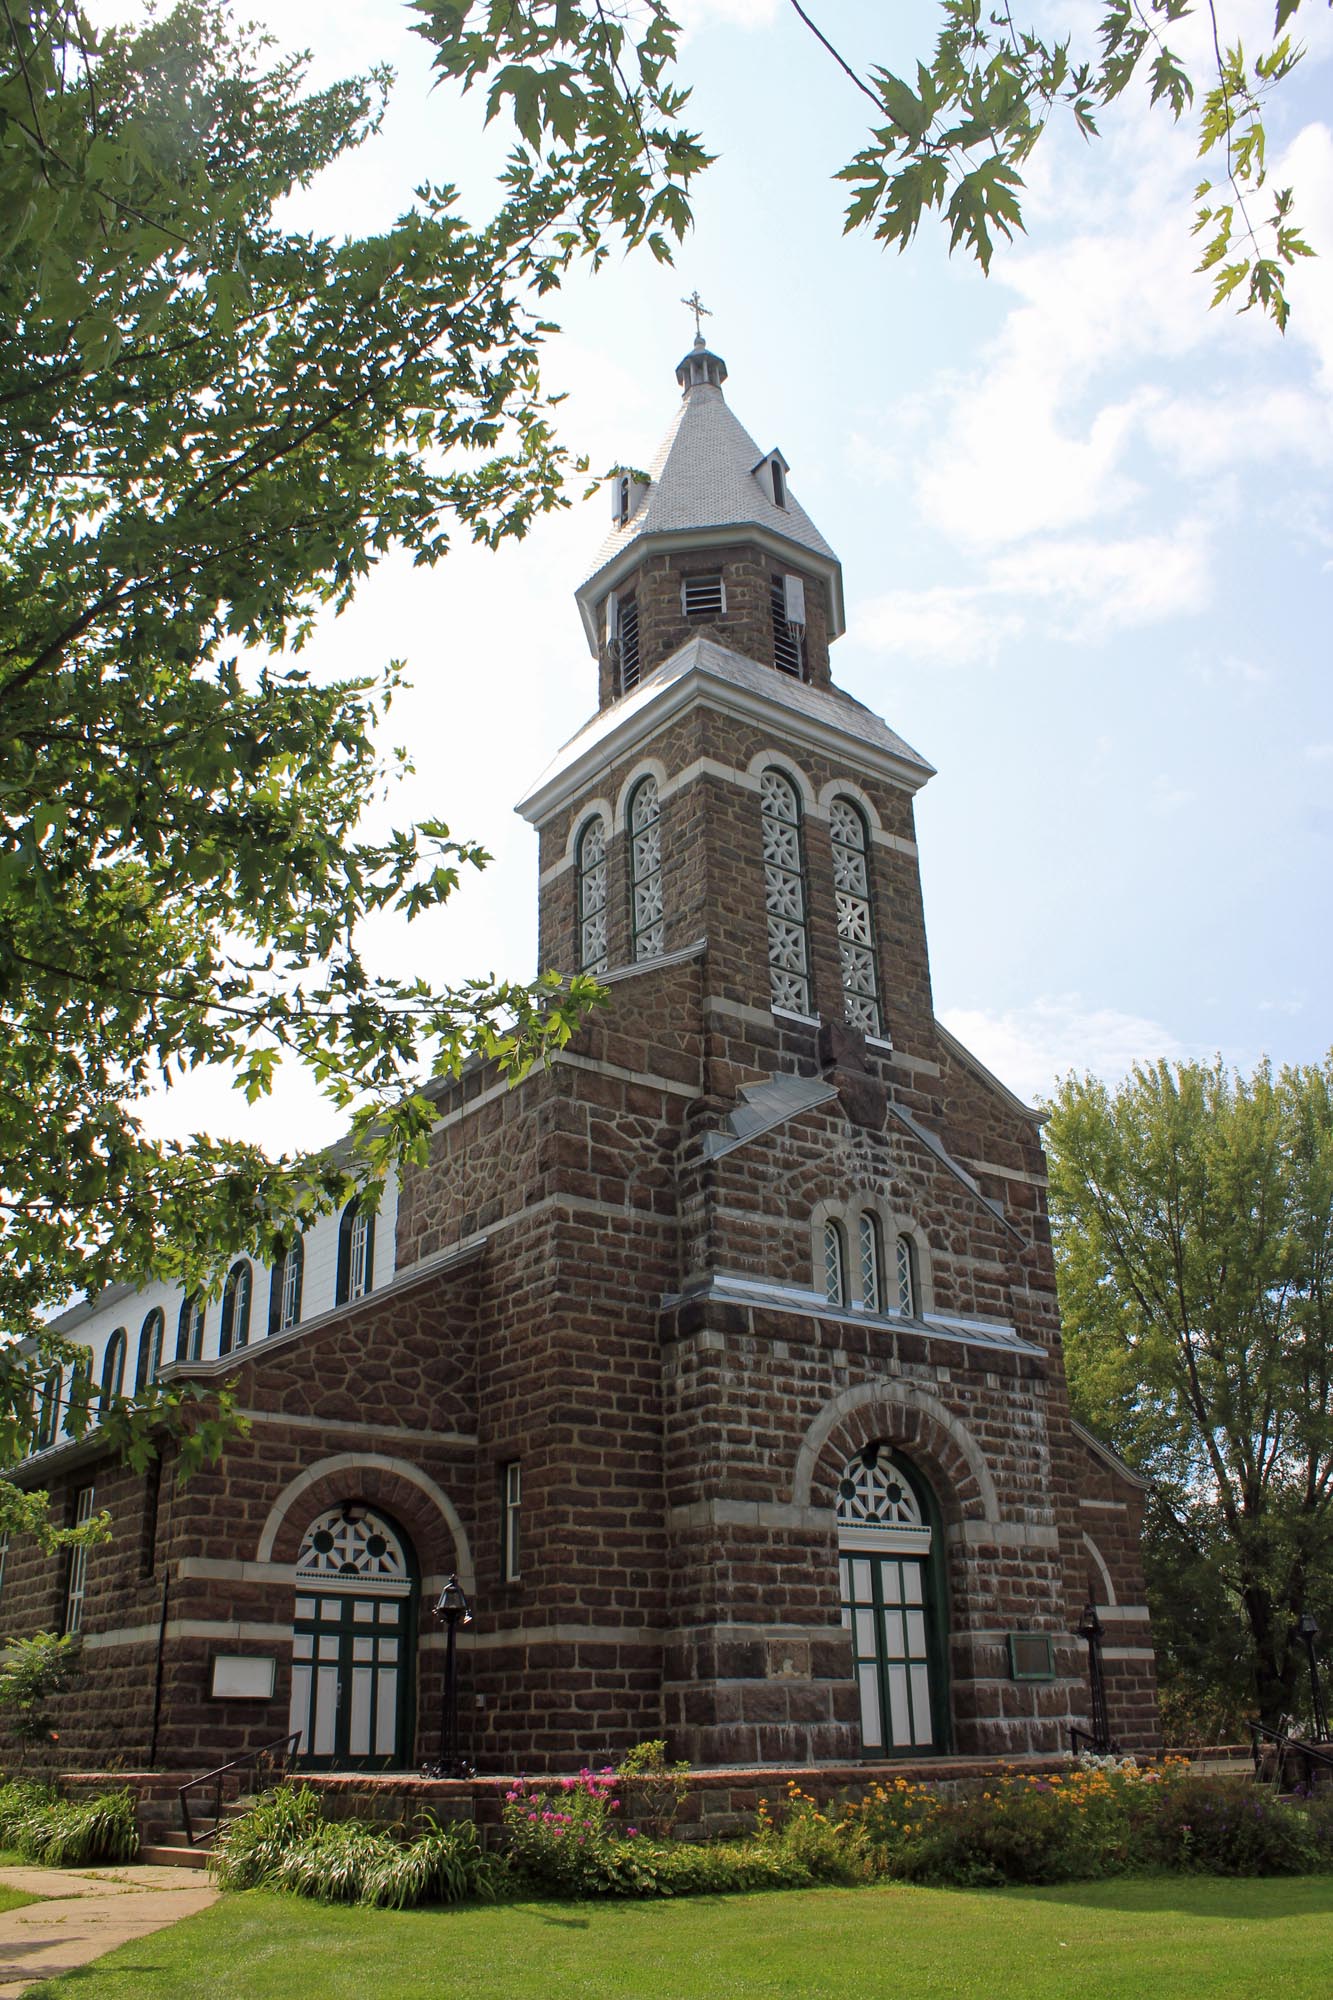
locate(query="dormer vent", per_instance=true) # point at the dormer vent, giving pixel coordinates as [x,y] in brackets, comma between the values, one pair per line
[771,472]
[626,496]
[703,596]
[788,600]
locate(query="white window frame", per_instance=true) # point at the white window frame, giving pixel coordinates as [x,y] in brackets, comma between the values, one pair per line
[511,1502]
[76,1582]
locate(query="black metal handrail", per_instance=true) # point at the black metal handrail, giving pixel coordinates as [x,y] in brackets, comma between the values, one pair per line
[1299,1746]
[1076,1736]
[287,1746]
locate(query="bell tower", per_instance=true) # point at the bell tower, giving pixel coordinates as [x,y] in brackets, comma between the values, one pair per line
[710,540]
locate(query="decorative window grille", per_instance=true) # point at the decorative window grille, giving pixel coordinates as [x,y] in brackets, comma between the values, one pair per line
[511,1495]
[149,1358]
[76,1580]
[113,1370]
[627,641]
[856,927]
[703,596]
[355,1549]
[872,1493]
[784,894]
[645,835]
[869,1262]
[788,649]
[835,1264]
[236,1307]
[190,1330]
[908,1288]
[48,1410]
[591,871]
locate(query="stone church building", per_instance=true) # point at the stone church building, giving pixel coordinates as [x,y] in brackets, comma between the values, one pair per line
[720,1358]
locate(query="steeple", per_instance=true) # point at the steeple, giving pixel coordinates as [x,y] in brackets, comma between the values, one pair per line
[713,506]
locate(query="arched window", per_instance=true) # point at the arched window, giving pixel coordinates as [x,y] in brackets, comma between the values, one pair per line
[909,1284]
[869,1262]
[48,1410]
[356,1252]
[149,1359]
[784,894]
[284,1294]
[113,1370]
[645,846]
[835,1264]
[590,869]
[190,1329]
[236,1307]
[856,928]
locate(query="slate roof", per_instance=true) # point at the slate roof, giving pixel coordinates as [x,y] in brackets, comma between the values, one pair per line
[704,477]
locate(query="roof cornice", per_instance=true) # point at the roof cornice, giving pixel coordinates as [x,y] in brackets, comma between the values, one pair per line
[694,682]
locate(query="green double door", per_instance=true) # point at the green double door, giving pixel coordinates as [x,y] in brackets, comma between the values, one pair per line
[351,1681]
[886,1607]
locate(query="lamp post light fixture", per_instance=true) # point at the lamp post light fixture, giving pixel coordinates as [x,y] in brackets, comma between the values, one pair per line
[1091,1629]
[452,1609]
[1307,1629]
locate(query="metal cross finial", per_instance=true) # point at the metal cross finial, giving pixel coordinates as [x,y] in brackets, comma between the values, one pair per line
[699,309]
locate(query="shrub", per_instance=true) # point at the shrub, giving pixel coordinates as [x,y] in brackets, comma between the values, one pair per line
[37,1670]
[653,1790]
[248,1849]
[68,1833]
[284,1842]
[822,1847]
[561,1836]
[1218,1826]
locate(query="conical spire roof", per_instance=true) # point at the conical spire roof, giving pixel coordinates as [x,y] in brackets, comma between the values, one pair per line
[710,481]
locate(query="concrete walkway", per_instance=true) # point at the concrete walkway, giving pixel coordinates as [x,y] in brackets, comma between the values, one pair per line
[88,1911]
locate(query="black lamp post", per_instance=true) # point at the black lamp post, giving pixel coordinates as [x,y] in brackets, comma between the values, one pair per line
[1307,1628]
[1090,1628]
[453,1609]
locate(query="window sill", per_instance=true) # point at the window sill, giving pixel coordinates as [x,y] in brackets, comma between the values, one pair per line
[787,1014]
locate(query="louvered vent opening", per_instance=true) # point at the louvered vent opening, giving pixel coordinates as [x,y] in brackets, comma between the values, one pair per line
[787,652]
[629,644]
[703,596]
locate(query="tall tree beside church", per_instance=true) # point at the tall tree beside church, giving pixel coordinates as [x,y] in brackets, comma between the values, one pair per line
[1193,1218]
[952,142]
[212,424]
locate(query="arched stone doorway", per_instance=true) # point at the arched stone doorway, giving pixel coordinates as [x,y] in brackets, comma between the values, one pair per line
[353,1642]
[893,1601]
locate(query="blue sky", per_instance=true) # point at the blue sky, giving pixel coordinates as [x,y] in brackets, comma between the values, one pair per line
[1085,525]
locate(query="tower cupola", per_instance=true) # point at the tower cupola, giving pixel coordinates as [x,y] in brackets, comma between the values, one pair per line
[710,540]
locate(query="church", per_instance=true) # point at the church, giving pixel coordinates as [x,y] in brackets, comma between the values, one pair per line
[719,1359]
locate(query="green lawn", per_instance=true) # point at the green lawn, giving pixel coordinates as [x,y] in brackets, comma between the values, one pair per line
[1168,1938]
[14,1899]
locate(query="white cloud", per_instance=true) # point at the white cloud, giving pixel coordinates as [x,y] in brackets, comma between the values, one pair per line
[1030,1048]
[1077,589]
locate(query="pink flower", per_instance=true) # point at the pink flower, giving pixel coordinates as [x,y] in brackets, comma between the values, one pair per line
[631,1831]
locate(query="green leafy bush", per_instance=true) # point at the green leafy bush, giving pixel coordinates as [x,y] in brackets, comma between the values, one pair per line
[68,1833]
[284,1842]
[1216,1826]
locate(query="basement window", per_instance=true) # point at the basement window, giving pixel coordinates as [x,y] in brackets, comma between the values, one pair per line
[703,596]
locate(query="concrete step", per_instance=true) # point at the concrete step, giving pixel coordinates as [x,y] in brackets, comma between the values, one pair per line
[167,1854]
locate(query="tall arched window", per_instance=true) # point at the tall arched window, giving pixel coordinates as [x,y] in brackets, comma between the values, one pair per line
[48,1410]
[236,1307]
[856,924]
[835,1264]
[590,869]
[356,1252]
[647,921]
[149,1358]
[784,894]
[284,1296]
[909,1285]
[190,1329]
[869,1261]
[113,1370]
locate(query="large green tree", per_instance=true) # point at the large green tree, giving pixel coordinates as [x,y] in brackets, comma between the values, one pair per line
[953,141]
[1193,1218]
[211,425]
